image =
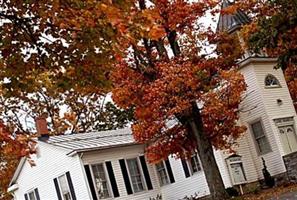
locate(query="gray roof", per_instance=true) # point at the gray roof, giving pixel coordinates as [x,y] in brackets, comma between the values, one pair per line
[85,142]
[230,22]
[93,140]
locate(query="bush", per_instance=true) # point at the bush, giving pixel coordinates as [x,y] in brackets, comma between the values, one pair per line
[232,192]
[269,180]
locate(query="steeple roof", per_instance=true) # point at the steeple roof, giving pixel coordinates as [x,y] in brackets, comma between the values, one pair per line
[230,22]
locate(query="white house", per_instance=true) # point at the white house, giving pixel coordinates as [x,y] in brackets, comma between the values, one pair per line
[106,165]
[110,165]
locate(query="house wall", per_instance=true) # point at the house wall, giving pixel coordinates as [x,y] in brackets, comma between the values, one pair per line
[193,185]
[52,163]
[270,96]
[259,104]
[113,155]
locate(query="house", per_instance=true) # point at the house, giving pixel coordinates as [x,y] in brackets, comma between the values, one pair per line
[110,165]
[105,165]
[267,111]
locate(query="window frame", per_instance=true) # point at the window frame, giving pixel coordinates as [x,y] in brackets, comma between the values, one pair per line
[278,85]
[259,120]
[199,167]
[59,184]
[106,177]
[141,174]
[166,172]
[31,191]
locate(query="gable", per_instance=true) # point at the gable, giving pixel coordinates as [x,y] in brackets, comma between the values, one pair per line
[41,146]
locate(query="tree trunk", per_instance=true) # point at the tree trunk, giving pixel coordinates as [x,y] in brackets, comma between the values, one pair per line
[206,155]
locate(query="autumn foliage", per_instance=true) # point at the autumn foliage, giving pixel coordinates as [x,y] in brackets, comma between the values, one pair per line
[183,100]
[151,56]
[273,32]
[12,148]
[178,84]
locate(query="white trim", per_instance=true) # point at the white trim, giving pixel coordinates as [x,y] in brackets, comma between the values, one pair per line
[167,175]
[278,85]
[59,185]
[250,60]
[109,189]
[13,188]
[84,174]
[250,123]
[31,191]
[18,171]
[190,164]
[141,174]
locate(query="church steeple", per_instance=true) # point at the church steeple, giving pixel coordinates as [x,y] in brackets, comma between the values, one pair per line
[231,22]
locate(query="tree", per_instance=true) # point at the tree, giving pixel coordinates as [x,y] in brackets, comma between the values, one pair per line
[12,148]
[166,91]
[48,64]
[274,31]
[69,112]
[183,101]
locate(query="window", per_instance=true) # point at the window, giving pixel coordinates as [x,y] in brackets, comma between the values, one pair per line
[65,191]
[162,173]
[194,164]
[64,187]
[32,195]
[135,175]
[191,166]
[101,183]
[260,138]
[271,81]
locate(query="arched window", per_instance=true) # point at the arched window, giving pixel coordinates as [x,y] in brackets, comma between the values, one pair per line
[271,81]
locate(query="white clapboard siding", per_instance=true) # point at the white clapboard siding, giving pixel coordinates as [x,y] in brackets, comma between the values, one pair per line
[195,184]
[113,155]
[222,164]
[253,108]
[52,163]
[271,95]
[243,149]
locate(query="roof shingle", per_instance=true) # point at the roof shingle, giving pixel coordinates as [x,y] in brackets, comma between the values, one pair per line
[93,140]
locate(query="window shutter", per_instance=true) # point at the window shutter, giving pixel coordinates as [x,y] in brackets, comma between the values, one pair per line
[57,189]
[26,196]
[186,168]
[169,170]
[146,173]
[126,176]
[90,181]
[37,194]
[70,186]
[112,179]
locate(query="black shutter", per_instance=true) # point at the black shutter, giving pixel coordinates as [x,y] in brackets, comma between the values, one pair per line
[112,179]
[146,173]
[169,170]
[26,196]
[186,168]
[90,181]
[70,186]
[126,176]
[37,194]
[57,189]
